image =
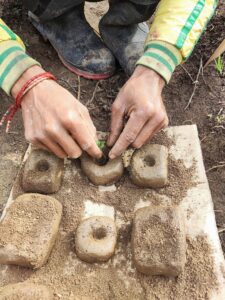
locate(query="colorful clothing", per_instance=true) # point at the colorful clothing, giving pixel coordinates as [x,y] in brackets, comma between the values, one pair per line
[13,59]
[177,26]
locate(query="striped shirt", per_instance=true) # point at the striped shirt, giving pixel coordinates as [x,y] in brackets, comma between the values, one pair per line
[177,26]
[13,59]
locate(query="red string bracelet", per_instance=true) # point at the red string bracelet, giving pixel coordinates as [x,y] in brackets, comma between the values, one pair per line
[10,113]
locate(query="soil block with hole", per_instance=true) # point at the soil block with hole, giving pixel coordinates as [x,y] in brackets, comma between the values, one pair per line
[29,229]
[102,172]
[159,241]
[95,239]
[25,291]
[149,166]
[42,173]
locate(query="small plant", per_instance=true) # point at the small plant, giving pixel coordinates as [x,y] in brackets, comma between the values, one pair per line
[105,150]
[101,144]
[219,65]
[220,119]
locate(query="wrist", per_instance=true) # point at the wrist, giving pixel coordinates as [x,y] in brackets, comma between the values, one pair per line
[27,75]
[161,57]
[149,75]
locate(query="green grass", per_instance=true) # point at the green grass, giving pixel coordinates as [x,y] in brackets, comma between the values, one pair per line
[219,65]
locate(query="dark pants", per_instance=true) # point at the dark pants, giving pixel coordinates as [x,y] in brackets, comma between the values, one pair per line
[132,11]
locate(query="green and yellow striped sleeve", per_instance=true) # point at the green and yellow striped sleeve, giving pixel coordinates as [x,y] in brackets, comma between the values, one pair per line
[176,29]
[161,57]
[13,59]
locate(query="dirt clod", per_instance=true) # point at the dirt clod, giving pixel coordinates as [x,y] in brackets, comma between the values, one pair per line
[102,174]
[43,172]
[29,229]
[95,239]
[149,166]
[158,241]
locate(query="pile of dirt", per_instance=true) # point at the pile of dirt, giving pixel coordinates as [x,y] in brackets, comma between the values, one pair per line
[106,282]
[162,139]
[188,285]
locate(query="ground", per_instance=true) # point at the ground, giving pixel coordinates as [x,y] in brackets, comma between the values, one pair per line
[207,108]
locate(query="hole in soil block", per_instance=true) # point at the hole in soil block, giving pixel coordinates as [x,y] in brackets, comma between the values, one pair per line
[149,161]
[102,161]
[99,233]
[42,166]
[105,157]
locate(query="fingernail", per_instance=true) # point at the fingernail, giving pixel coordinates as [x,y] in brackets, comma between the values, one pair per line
[75,156]
[100,155]
[112,156]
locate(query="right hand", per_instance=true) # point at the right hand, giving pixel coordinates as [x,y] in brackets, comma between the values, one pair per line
[54,120]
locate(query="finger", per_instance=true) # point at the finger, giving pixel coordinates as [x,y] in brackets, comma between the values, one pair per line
[69,145]
[116,127]
[91,127]
[128,136]
[55,148]
[85,140]
[147,132]
[39,145]
[64,140]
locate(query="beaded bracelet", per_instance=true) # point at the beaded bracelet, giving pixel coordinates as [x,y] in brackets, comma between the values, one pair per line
[35,80]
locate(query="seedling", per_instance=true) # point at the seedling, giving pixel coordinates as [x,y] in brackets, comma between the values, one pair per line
[103,147]
[101,144]
[219,65]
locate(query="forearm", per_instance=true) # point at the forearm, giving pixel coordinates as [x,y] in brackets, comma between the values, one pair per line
[177,26]
[13,59]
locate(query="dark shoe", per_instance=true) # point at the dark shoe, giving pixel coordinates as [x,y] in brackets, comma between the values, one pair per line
[78,47]
[125,41]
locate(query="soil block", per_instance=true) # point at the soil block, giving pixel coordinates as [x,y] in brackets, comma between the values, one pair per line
[149,166]
[102,174]
[158,241]
[95,239]
[43,172]
[29,229]
[25,291]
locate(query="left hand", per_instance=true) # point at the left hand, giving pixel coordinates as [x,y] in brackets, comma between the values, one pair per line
[140,100]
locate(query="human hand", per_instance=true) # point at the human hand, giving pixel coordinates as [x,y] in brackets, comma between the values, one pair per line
[54,120]
[140,101]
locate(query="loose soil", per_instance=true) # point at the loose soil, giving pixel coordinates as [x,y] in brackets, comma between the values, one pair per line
[189,283]
[24,291]
[207,110]
[159,241]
